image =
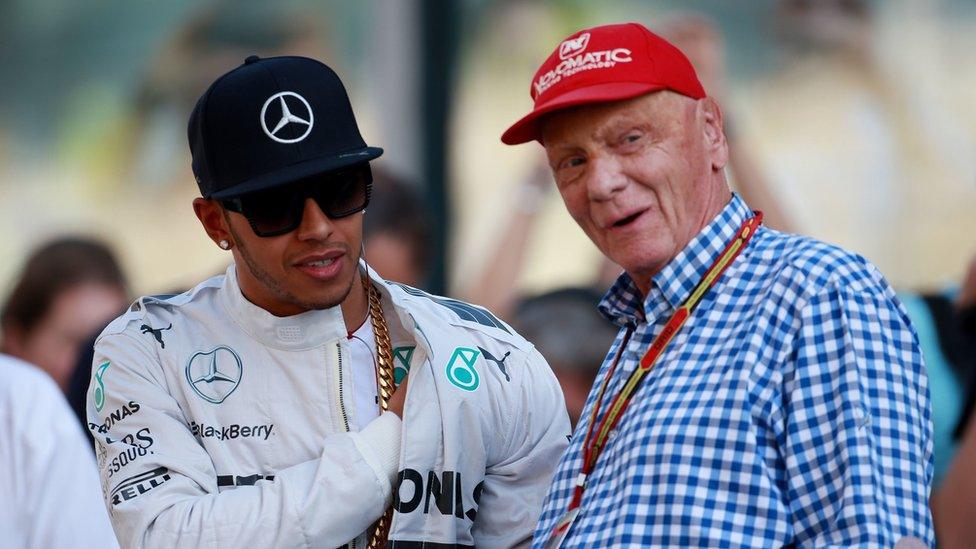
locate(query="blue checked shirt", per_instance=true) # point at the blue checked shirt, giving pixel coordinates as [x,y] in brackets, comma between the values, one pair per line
[791,409]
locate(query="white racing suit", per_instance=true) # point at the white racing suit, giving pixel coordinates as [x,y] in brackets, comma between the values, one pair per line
[218,424]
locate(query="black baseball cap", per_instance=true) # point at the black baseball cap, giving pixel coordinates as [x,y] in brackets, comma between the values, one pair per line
[271,122]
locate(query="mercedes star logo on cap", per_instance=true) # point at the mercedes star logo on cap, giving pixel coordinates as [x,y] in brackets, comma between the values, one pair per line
[287,116]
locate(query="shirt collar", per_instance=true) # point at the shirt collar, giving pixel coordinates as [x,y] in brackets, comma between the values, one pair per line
[624,305]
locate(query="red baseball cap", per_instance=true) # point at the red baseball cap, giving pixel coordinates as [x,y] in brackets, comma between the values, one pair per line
[605,63]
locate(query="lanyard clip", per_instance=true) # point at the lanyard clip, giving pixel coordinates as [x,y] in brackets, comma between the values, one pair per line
[581,481]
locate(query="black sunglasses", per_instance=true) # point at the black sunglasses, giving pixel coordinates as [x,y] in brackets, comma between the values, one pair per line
[278,211]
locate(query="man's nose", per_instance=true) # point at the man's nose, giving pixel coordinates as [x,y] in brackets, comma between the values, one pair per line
[315,224]
[606,178]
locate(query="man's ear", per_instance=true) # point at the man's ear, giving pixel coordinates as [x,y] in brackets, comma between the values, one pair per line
[212,218]
[716,145]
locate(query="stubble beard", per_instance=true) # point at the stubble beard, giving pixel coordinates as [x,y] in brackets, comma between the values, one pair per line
[279,291]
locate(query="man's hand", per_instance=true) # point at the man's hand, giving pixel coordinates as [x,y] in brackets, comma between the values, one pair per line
[399,397]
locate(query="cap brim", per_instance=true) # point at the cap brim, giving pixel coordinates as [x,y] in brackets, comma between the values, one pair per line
[527,128]
[299,171]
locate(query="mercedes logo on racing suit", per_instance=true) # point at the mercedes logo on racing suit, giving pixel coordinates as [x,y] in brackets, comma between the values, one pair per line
[214,375]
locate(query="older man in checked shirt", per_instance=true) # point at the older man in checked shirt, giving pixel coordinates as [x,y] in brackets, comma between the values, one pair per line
[765,389]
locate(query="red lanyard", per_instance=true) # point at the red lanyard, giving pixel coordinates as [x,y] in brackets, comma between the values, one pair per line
[593,445]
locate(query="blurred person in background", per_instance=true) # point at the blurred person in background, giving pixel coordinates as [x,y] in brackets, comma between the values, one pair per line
[68,288]
[49,492]
[954,502]
[495,287]
[565,326]
[764,389]
[950,361]
[947,330]
[701,40]
[261,407]
[397,231]
[866,129]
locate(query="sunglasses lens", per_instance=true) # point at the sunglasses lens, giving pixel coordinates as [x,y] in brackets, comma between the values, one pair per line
[271,212]
[345,193]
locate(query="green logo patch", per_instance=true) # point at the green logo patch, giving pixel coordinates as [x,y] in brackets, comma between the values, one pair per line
[461,371]
[401,363]
[99,393]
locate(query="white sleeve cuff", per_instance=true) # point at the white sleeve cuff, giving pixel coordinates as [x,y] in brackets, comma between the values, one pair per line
[379,443]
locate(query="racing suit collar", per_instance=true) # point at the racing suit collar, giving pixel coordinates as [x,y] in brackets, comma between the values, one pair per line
[302,331]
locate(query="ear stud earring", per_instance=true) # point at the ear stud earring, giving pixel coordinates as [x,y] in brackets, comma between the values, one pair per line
[224,245]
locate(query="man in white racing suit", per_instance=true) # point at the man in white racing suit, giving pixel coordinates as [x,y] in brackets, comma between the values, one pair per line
[247,411]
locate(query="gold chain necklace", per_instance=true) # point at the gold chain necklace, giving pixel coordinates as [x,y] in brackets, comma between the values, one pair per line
[385,386]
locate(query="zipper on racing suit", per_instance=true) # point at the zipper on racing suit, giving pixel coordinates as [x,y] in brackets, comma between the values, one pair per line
[342,404]
[345,416]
